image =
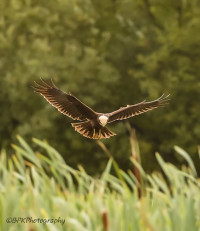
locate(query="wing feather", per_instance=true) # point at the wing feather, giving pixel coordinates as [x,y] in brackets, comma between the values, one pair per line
[136,109]
[67,104]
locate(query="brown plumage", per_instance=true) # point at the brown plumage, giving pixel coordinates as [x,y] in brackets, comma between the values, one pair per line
[93,125]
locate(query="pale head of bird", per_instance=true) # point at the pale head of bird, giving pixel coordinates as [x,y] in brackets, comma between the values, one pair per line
[103,120]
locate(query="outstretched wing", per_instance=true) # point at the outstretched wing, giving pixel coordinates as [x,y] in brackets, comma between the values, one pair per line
[65,103]
[132,110]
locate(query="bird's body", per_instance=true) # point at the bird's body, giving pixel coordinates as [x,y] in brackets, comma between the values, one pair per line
[93,125]
[93,128]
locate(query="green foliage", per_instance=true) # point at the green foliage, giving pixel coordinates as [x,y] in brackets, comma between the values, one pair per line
[41,185]
[108,53]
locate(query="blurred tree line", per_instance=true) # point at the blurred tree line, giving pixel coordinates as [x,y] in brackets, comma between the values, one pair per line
[108,53]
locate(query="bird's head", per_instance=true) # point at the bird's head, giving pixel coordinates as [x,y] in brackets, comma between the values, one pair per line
[103,120]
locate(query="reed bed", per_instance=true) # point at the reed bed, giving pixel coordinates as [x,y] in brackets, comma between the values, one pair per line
[39,191]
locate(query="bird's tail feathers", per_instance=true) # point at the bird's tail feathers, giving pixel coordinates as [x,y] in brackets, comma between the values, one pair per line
[86,129]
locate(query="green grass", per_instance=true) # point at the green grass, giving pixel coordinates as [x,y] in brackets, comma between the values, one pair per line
[42,185]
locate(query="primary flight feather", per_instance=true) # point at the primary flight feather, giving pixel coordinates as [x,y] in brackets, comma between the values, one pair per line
[93,125]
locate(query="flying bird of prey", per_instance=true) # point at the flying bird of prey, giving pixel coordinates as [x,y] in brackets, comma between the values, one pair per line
[93,125]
